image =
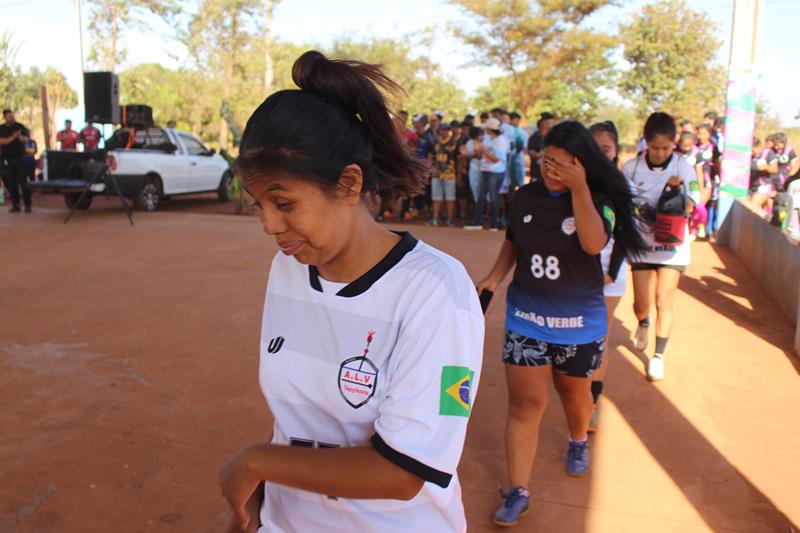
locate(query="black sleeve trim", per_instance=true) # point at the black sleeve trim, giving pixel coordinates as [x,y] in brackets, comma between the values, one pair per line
[409,464]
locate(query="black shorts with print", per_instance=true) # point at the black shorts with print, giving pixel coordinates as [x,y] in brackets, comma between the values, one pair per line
[576,360]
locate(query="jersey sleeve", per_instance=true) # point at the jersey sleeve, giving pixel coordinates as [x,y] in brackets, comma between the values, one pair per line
[422,419]
[606,210]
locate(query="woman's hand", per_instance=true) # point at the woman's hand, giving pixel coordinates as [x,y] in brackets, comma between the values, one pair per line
[238,485]
[489,283]
[571,174]
[607,280]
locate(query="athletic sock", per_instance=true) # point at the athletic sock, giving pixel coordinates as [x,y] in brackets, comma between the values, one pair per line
[597,390]
[645,322]
[585,439]
[661,345]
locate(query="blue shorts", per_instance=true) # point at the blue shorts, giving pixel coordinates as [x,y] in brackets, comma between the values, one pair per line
[576,360]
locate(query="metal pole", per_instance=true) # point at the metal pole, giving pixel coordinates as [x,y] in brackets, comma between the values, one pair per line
[79,18]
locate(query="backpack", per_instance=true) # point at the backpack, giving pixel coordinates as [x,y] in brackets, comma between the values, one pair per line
[671,218]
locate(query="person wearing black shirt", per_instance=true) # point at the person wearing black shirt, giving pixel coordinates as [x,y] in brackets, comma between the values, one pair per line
[13,137]
[536,143]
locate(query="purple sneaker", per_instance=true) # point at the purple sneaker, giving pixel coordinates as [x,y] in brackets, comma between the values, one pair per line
[578,458]
[515,506]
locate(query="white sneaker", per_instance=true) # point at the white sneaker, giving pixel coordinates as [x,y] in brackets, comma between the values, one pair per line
[642,337]
[655,368]
[472,227]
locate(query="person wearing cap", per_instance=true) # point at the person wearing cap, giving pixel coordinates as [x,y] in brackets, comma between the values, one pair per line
[443,182]
[493,151]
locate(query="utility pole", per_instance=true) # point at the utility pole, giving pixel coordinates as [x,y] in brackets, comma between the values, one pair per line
[740,112]
[269,6]
[79,18]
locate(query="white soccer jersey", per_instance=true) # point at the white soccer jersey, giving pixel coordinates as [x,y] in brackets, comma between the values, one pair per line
[391,360]
[648,184]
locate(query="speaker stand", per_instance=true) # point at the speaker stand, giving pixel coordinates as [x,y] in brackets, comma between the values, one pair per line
[102,175]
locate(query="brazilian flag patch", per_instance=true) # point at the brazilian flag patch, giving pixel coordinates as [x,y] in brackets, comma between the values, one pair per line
[694,186]
[456,391]
[609,215]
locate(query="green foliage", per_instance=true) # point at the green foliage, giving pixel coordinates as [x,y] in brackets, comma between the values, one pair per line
[426,87]
[108,21]
[671,51]
[549,58]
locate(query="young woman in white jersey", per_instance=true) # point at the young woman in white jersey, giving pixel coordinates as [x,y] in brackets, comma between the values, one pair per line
[371,341]
[656,274]
[612,258]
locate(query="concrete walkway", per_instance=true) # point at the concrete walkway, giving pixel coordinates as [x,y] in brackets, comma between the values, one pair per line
[128,360]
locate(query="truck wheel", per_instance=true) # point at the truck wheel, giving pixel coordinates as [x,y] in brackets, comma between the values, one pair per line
[71,199]
[224,191]
[150,195]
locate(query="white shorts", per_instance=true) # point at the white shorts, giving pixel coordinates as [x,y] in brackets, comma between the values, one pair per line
[443,190]
[617,287]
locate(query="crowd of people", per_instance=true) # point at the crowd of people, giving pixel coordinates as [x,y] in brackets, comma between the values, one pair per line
[460,151]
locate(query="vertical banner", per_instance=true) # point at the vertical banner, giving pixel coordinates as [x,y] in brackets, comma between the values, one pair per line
[740,119]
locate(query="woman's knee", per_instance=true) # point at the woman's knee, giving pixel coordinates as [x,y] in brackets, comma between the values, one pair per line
[528,405]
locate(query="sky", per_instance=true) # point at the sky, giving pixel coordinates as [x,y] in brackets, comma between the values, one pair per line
[46,31]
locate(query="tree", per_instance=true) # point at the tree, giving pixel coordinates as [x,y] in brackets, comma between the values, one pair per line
[219,33]
[108,19]
[671,51]
[426,87]
[544,50]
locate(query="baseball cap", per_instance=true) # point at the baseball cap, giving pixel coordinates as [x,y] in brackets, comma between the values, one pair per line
[492,124]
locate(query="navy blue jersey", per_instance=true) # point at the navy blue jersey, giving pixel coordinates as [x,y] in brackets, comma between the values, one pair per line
[557,291]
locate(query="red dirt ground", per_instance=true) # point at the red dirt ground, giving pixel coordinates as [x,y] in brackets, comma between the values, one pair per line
[128,376]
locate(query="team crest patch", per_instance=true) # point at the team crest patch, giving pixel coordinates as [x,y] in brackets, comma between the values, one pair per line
[610,216]
[456,391]
[527,218]
[568,225]
[358,377]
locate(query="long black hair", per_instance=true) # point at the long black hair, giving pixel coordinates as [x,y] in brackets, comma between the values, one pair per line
[337,118]
[603,177]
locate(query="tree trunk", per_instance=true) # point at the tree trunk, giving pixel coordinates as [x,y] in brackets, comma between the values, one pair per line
[49,136]
[269,66]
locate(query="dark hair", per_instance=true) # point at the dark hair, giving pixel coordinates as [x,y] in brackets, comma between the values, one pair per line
[603,177]
[756,141]
[687,135]
[455,124]
[706,127]
[684,122]
[547,116]
[6,111]
[402,112]
[475,132]
[514,114]
[779,138]
[607,127]
[660,123]
[484,115]
[337,118]
[712,115]
[469,118]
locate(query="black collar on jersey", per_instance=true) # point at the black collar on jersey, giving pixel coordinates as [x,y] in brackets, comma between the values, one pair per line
[662,166]
[368,279]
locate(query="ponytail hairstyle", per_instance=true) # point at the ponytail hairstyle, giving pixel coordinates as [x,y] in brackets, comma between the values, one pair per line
[603,177]
[608,127]
[338,117]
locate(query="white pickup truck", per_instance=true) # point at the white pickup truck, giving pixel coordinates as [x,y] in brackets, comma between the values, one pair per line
[148,163]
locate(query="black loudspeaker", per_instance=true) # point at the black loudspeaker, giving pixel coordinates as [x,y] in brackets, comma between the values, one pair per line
[101,97]
[137,115]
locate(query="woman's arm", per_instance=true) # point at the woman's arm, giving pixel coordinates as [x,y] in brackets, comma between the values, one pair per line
[505,262]
[358,472]
[591,230]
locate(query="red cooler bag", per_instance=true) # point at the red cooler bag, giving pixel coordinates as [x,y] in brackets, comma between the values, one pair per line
[671,217]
